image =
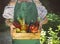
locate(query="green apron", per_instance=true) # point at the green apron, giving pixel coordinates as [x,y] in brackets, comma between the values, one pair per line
[28,11]
[34,41]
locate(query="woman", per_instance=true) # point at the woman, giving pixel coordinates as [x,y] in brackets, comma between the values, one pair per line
[29,11]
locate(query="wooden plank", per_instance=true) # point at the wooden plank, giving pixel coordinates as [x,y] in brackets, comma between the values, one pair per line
[26,36]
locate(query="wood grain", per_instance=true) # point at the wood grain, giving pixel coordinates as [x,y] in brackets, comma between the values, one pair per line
[26,36]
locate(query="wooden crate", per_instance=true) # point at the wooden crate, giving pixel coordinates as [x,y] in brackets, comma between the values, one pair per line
[26,36]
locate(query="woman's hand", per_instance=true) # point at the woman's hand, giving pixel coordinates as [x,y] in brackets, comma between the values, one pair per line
[42,23]
[45,20]
[8,22]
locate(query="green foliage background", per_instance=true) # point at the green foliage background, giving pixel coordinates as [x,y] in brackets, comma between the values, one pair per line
[51,30]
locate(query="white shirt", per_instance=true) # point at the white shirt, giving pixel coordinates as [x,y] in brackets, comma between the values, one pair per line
[9,12]
[42,12]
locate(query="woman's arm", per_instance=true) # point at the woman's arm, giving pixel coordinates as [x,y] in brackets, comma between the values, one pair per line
[8,13]
[42,12]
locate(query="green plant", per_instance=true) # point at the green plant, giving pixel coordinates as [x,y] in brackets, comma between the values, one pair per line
[52,28]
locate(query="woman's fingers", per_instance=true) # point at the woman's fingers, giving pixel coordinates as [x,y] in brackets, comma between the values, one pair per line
[8,23]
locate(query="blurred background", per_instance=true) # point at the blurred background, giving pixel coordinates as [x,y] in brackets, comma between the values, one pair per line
[51,30]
